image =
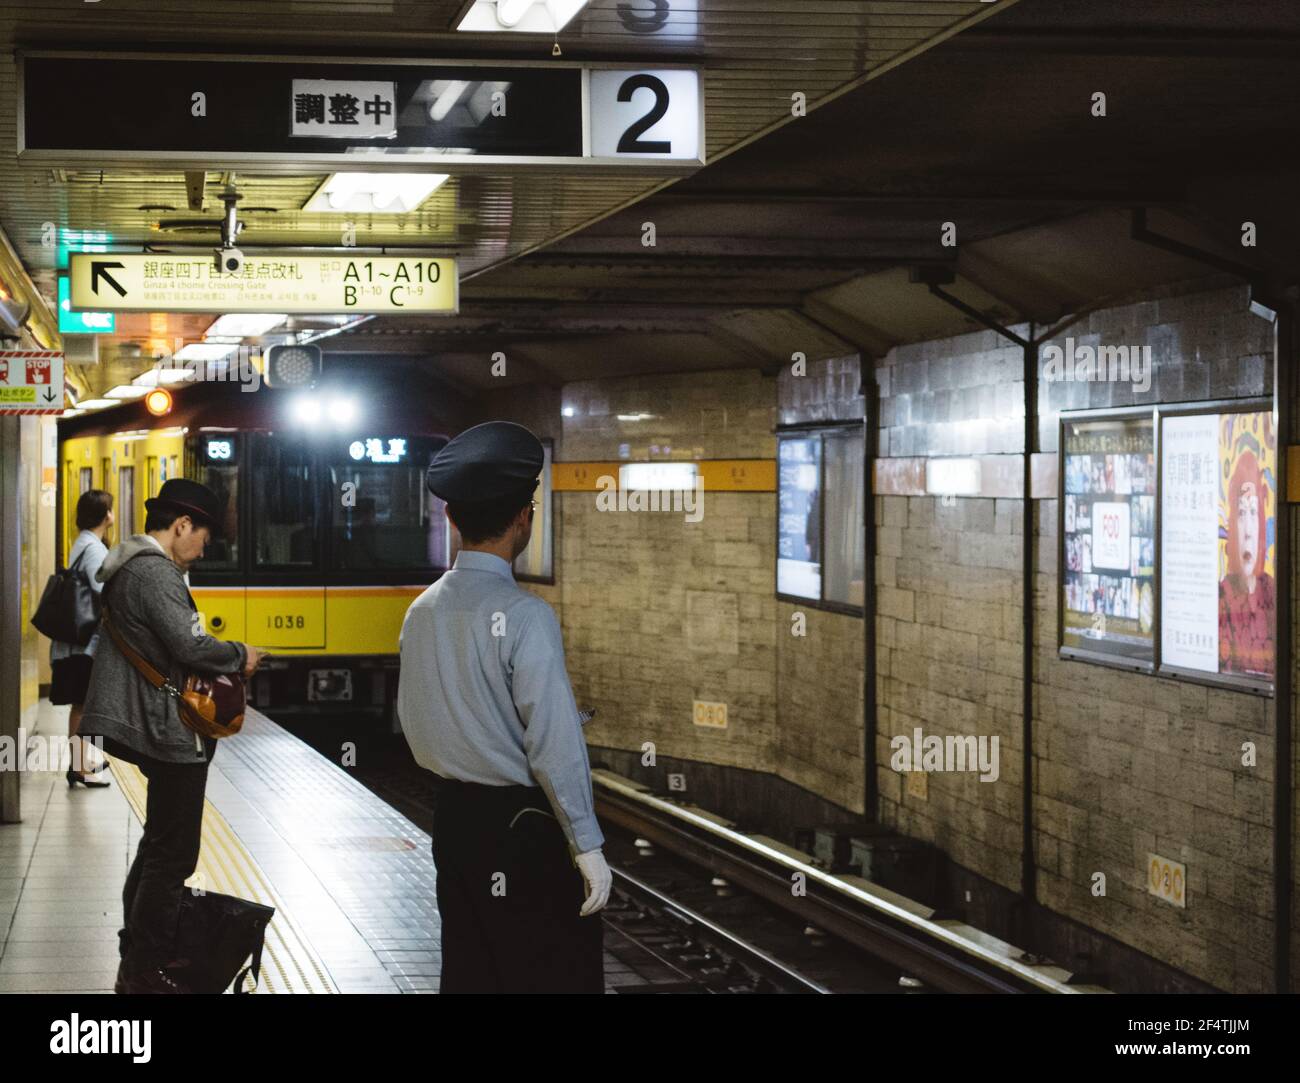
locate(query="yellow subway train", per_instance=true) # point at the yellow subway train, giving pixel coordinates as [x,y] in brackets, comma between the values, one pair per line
[329,531]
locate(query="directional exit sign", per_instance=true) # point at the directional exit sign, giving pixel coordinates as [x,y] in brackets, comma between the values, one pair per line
[283,282]
[31,382]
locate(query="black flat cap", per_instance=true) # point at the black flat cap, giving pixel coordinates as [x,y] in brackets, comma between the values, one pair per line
[490,461]
[190,498]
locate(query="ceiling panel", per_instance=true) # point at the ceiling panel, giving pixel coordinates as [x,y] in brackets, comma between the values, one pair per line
[755,53]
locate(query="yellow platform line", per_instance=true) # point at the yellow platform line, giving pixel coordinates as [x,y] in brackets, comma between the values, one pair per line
[289,965]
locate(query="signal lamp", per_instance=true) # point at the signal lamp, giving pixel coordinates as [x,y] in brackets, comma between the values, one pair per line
[158,402]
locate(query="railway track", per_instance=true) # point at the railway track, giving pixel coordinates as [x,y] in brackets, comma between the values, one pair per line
[942,955]
[700,907]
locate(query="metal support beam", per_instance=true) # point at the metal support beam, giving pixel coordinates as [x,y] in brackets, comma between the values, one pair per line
[1284,396]
[870,411]
[1139,232]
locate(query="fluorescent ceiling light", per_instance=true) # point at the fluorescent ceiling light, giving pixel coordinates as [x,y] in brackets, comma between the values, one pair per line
[520,16]
[125,391]
[243,325]
[155,377]
[72,411]
[375,193]
[98,404]
[447,99]
[205,351]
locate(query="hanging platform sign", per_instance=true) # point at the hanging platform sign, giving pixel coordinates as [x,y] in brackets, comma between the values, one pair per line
[281,282]
[211,112]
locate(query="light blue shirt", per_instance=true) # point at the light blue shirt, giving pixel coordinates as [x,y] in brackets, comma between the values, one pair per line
[87,542]
[484,697]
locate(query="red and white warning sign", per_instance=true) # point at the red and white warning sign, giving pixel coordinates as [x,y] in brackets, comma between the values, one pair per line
[31,382]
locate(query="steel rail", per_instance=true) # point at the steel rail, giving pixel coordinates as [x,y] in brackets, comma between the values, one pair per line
[709,932]
[921,948]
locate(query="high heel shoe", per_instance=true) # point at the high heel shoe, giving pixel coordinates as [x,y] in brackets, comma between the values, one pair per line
[74,777]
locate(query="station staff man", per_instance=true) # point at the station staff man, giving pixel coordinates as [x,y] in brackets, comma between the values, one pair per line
[485,704]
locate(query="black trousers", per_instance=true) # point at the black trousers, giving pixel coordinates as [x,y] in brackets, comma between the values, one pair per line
[509,895]
[166,857]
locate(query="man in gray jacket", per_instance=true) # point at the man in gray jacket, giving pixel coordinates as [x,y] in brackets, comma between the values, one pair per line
[148,601]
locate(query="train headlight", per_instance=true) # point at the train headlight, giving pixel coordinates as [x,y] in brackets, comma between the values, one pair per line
[341,411]
[305,410]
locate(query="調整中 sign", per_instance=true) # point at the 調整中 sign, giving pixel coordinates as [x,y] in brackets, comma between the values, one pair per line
[289,283]
[395,113]
[31,382]
[338,109]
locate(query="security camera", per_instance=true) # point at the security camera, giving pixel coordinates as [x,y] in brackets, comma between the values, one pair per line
[228,260]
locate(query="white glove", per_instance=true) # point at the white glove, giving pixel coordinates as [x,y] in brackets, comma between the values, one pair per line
[598,878]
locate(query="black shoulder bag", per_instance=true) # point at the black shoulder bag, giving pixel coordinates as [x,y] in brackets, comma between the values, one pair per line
[69,607]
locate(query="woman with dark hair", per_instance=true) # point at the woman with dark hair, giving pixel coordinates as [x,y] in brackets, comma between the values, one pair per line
[70,663]
[1246,594]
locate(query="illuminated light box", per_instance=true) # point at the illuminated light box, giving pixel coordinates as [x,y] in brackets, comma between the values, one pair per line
[657,477]
[952,477]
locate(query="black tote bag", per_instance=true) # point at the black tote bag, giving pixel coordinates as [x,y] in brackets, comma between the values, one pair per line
[217,935]
[69,607]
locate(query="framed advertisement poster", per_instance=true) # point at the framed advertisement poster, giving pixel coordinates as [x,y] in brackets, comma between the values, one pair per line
[1217,543]
[1107,535]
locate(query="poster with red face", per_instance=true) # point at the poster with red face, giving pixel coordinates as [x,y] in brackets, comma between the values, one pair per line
[1218,543]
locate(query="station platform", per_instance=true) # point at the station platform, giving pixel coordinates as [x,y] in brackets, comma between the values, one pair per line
[352,881]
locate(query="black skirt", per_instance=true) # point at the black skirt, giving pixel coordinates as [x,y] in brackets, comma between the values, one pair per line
[70,678]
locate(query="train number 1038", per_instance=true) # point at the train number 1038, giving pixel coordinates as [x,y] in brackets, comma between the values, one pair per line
[286,620]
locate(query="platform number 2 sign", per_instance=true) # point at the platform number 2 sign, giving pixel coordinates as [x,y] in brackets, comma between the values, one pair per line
[644,114]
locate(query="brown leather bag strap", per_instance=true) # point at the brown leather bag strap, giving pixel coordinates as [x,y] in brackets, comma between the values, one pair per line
[137,659]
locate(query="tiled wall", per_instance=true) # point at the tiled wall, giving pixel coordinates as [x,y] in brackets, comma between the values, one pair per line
[1125,764]
[658,612]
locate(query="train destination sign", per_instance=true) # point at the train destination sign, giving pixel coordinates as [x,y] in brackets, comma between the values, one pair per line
[281,282]
[213,111]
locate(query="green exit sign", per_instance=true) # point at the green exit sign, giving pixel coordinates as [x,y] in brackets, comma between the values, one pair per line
[81,323]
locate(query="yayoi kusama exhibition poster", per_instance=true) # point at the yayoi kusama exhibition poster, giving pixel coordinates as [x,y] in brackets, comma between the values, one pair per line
[1108,537]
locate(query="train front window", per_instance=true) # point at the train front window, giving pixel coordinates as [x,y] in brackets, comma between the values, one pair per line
[213,459]
[383,516]
[284,502]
